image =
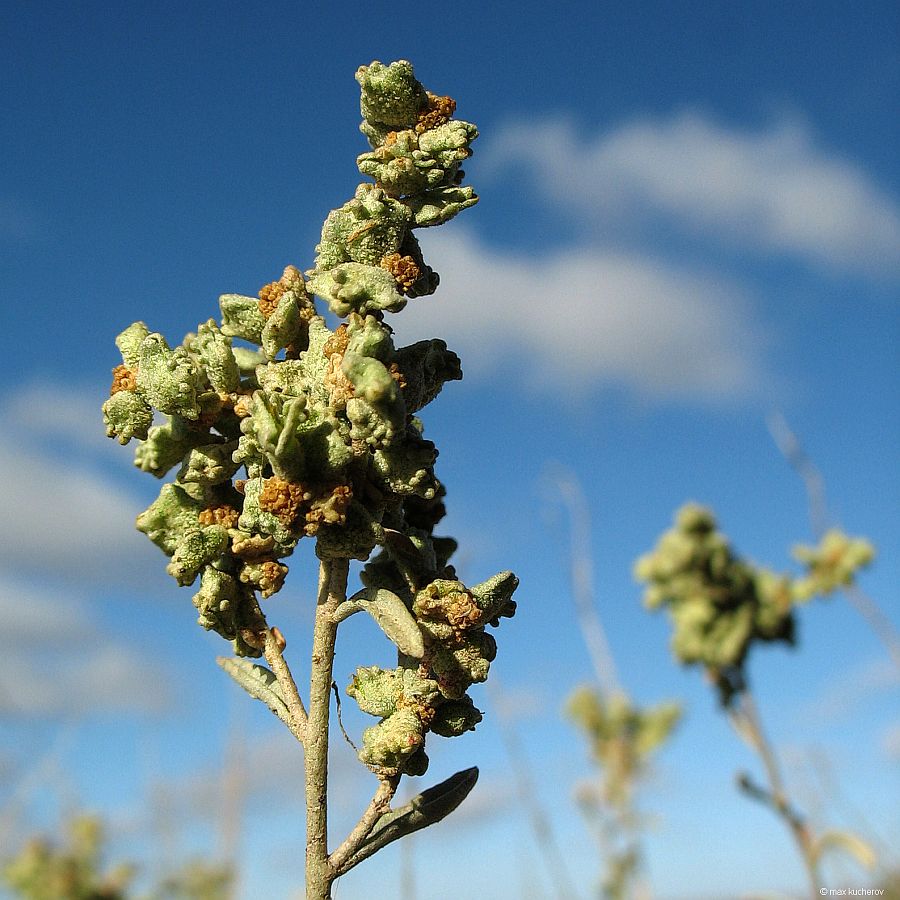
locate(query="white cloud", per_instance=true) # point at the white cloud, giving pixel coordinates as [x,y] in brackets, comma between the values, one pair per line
[67,519]
[31,616]
[844,695]
[108,678]
[61,411]
[774,190]
[67,533]
[578,319]
[56,661]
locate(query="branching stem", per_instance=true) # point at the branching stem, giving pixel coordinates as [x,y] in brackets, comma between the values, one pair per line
[377,807]
[746,722]
[332,591]
[820,520]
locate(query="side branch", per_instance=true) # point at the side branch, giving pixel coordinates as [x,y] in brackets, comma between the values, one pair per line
[792,450]
[746,722]
[779,804]
[273,650]
[377,807]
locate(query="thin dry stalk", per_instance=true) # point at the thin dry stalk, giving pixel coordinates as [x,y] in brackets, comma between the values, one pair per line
[407,870]
[544,835]
[820,521]
[234,793]
[745,719]
[582,573]
[830,787]
[46,768]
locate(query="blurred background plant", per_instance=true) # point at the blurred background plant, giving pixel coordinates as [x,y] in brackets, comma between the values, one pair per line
[721,606]
[622,740]
[76,869]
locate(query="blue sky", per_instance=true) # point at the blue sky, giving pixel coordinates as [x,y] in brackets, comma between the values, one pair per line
[690,216]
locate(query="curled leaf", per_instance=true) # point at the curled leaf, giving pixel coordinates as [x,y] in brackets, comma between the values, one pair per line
[849,843]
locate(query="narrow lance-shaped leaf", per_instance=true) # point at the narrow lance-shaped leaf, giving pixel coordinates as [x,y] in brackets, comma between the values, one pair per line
[423,810]
[391,615]
[259,683]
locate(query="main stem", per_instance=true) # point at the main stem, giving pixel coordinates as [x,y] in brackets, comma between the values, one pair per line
[332,591]
[779,799]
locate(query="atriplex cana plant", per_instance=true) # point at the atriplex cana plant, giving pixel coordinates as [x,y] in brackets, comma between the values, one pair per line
[323,424]
[42,871]
[721,606]
[823,522]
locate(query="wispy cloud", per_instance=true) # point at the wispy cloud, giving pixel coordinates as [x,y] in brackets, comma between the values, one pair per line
[66,520]
[56,661]
[774,190]
[63,412]
[66,516]
[580,319]
[110,679]
[68,534]
[31,616]
[843,696]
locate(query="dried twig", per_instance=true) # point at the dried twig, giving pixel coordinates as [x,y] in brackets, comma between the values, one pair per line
[528,796]
[745,719]
[821,520]
[582,572]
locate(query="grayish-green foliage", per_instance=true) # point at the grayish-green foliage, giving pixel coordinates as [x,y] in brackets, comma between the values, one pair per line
[273,427]
[721,605]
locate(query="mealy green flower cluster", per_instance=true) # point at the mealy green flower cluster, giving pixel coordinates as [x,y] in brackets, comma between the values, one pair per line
[279,427]
[721,604]
[622,736]
[832,565]
[427,691]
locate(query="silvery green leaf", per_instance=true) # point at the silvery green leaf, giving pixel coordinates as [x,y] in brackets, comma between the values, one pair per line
[391,615]
[247,360]
[259,683]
